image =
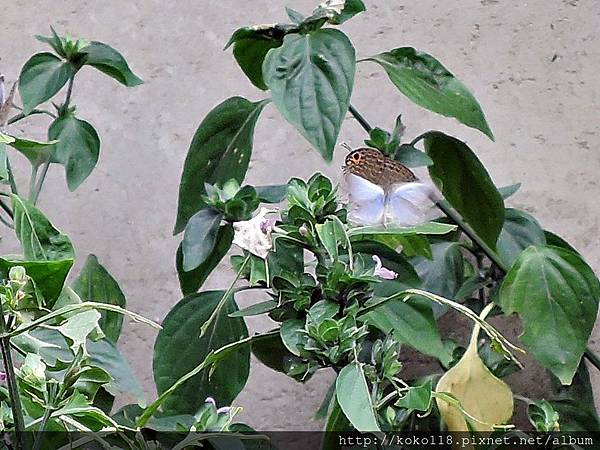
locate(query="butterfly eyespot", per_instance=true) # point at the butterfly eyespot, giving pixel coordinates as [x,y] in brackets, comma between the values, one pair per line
[356,157]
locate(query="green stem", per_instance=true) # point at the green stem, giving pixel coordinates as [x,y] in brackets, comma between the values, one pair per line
[6,208]
[22,116]
[32,177]
[454,216]
[46,166]
[36,188]
[11,381]
[213,316]
[592,358]
[11,178]
[360,119]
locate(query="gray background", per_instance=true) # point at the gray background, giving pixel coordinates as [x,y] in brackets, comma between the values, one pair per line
[532,65]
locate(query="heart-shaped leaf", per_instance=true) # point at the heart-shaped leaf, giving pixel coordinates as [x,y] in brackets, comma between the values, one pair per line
[311,77]
[41,78]
[220,150]
[425,81]
[77,148]
[96,284]
[465,183]
[179,349]
[519,231]
[556,295]
[251,45]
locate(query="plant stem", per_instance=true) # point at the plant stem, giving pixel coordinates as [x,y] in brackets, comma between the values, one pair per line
[11,177]
[32,177]
[40,182]
[22,116]
[456,218]
[6,208]
[226,295]
[592,358]
[358,116]
[11,380]
[36,188]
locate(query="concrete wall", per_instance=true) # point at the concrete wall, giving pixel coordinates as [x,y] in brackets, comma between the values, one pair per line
[532,65]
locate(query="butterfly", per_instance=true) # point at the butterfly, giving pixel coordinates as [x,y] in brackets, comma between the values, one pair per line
[384,191]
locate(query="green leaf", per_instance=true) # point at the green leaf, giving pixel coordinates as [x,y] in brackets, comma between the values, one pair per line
[250,51]
[542,416]
[412,157]
[95,283]
[311,77]
[41,78]
[354,398]
[49,276]
[179,349]
[465,183]
[556,295]
[106,355]
[332,236]
[424,80]
[509,191]
[417,398]
[256,309]
[251,45]
[411,322]
[191,281]
[424,228]
[292,334]
[557,241]
[200,237]
[220,150]
[336,422]
[78,326]
[294,15]
[78,147]
[271,194]
[575,403]
[39,239]
[444,273]
[36,152]
[350,9]
[109,61]
[519,231]
[271,352]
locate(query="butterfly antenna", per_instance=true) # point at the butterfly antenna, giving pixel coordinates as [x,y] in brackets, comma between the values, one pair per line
[346,146]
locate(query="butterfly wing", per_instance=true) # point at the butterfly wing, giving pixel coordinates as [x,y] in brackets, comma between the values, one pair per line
[366,201]
[408,204]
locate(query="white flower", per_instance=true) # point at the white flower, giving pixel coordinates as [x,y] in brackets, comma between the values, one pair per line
[254,235]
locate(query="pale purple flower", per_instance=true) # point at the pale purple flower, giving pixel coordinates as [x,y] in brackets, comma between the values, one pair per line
[211,400]
[224,410]
[268,225]
[381,271]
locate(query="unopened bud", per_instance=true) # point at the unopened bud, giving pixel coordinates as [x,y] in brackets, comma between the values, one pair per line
[18,274]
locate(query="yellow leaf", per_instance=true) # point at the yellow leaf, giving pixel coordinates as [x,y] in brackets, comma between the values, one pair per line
[486,400]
